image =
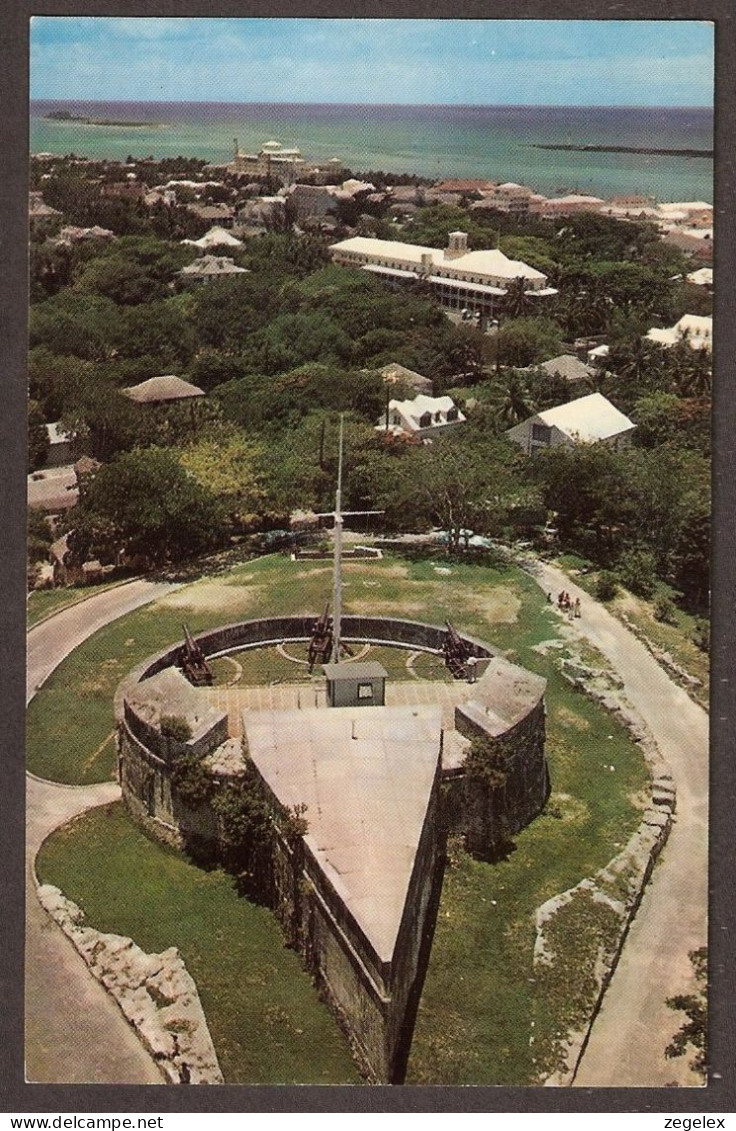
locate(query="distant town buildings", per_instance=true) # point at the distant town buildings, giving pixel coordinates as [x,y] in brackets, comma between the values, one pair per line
[274,162]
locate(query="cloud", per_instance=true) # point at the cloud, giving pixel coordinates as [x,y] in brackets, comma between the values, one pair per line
[354,60]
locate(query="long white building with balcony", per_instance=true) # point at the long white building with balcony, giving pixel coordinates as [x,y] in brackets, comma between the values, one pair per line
[461,279]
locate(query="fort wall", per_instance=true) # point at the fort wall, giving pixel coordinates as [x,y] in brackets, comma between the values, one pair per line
[374,1000]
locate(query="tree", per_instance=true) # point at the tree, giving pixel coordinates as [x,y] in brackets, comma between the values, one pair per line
[694,1033]
[516,303]
[526,341]
[38,437]
[516,404]
[586,485]
[656,419]
[152,507]
[226,463]
[120,278]
[459,486]
[693,368]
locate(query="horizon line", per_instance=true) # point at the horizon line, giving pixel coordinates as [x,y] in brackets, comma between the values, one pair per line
[391,105]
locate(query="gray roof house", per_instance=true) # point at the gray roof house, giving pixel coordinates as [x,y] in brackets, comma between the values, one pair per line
[567,366]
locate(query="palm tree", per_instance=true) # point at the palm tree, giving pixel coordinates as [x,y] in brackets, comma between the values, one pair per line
[516,302]
[516,405]
[695,374]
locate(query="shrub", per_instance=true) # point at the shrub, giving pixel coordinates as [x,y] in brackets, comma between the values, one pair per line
[190,780]
[486,762]
[606,587]
[701,635]
[174,726]
[636,569]
[664,610]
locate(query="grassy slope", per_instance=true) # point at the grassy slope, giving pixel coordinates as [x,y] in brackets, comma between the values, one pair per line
[264,1015]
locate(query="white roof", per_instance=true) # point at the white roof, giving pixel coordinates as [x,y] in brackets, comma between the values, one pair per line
[353,186]
[702,277]
[696,329]
[685,206]
[698,324]
[213,265]
[412,410]
[664,337]
[56,435]
[491,262]
[575,198]
[214,237]
[587,419]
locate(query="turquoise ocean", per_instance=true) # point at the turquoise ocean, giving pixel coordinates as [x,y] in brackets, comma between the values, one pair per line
[497,142]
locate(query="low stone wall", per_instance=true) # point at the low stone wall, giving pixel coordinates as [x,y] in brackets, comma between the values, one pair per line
[619,886]
[155,992]
[277,630]
[691,683]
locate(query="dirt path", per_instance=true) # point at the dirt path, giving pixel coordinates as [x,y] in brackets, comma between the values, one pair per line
[627,1042]
[75,1033]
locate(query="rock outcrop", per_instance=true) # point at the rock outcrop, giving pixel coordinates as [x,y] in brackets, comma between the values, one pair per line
[155,992]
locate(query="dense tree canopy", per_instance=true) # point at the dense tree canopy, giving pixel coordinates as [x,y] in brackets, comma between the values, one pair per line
[146,503]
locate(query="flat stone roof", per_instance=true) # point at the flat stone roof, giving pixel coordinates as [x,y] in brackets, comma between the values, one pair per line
[169,692]
[366,776]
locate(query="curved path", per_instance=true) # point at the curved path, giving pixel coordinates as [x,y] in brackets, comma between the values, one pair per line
[634,1026]
[75,1033]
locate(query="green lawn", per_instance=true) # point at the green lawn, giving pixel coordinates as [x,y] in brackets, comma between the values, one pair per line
[266,1020]
[474,1020]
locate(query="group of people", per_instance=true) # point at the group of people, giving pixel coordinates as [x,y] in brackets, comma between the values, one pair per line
[566,604]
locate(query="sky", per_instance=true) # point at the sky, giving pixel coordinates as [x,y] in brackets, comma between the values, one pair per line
[455,62]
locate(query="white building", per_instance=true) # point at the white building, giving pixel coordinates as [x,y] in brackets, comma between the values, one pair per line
[695,329]
[421,417]
[215,237]
[571,205]
[703,277]
[587,420]
[460,278]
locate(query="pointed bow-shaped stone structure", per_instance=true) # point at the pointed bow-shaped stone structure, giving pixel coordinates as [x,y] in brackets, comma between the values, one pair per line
[358,890]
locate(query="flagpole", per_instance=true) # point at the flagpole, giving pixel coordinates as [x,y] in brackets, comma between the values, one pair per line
[337,593]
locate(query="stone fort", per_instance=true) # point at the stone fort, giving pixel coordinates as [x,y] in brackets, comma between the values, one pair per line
[379,778]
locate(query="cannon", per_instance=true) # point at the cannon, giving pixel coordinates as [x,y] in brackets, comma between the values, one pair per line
[456,651]
[320,643]
[192,661]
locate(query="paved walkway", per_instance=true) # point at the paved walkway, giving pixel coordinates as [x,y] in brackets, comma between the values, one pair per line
[627,1042]
[298,696]
[75,1033]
